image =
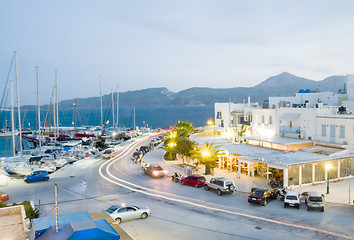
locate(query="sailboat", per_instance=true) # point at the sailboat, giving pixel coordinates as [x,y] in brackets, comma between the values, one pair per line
[22,164]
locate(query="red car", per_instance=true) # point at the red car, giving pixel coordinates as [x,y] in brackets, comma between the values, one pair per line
[4,197]
[193,180]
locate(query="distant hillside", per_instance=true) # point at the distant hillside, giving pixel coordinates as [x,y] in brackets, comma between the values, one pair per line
[284,84]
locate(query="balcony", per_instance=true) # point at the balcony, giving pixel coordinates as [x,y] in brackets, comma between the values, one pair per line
[289,130]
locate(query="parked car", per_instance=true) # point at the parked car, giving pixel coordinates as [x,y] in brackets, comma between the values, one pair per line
[155,170]
[262,195]
[314,201]
[221,185]
[124,213]
[4,197]
[108,153]
[292,199]
[193,180]
[36,176]
[144,149]
[137,156]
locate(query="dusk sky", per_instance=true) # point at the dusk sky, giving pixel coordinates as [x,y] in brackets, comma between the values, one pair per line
[172,44]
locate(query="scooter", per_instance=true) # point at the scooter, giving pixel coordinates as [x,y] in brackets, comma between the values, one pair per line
[176,177]
[281,194]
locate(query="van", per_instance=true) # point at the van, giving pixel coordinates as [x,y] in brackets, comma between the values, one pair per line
[314,201]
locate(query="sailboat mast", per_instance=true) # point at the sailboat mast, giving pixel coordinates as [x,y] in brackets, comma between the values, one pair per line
[39,111]
[117,106]
[101,101]
[57,101]
[54,115]
[75,117]
[134,117]
[18,103]
[113,110]
[12,120]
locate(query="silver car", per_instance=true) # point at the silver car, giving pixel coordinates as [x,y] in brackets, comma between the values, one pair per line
[124,213]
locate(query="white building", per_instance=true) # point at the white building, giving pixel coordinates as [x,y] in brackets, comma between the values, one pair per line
[321,124]
[305,100]
[230,117]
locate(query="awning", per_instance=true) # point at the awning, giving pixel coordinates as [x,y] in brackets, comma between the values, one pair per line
[289,116]
[248,113]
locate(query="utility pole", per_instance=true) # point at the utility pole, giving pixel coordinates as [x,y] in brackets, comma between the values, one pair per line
[56,209]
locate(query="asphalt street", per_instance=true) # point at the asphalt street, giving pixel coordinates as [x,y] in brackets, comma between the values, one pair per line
[177,211]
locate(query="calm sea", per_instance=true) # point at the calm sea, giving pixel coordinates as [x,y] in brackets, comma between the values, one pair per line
[153,117]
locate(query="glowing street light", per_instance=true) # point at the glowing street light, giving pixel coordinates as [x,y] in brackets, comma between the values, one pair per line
[328,167]
[171,145]
[206,153]
[210,122]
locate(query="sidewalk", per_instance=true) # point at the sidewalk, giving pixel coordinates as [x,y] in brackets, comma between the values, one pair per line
[339,190]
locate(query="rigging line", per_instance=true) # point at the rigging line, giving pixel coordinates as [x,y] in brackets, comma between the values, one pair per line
[82,195]
[6,91]
[7,80]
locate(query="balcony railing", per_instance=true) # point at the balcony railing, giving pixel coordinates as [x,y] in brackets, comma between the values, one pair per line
[292,130]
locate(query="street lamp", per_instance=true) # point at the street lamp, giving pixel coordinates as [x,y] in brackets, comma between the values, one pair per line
[205,153]
[328,167]
[210,122]
[171,145]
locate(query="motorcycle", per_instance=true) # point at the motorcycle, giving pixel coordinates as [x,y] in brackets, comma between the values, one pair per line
[176,177]
[276,183]
[281,194]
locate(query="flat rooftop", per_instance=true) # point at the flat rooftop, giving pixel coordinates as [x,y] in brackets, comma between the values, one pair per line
[281,140]
[271,156]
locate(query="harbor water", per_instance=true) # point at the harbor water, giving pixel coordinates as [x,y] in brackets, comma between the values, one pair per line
[152,117]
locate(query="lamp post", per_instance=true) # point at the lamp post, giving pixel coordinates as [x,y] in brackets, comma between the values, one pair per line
[171,145]
[206,155]
[328,167]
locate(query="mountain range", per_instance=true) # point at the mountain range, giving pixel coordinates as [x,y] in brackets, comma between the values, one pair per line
[284,84]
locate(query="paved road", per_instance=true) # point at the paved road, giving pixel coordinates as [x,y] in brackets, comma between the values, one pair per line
[178,212]
[336,222]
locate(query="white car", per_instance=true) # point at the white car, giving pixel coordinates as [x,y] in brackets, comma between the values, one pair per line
[292,199]
[108,153]
[124,213]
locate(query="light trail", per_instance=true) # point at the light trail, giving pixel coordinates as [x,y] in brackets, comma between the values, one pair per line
[157,194]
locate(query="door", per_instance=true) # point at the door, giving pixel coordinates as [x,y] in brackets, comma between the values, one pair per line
[132,213]
[123,214]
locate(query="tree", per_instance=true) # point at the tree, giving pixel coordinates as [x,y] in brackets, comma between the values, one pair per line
[169,146]
[183,129]
[184,147]
[206,154]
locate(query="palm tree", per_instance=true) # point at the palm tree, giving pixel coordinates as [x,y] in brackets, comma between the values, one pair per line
[206,154]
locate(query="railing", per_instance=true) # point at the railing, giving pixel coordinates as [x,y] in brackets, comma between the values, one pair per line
[292,130]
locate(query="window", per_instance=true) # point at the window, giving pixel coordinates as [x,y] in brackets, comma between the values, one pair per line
[333,131]
[270,120]
[218,115]
[222,123]
[262,118]
[324,130]
[341,131]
